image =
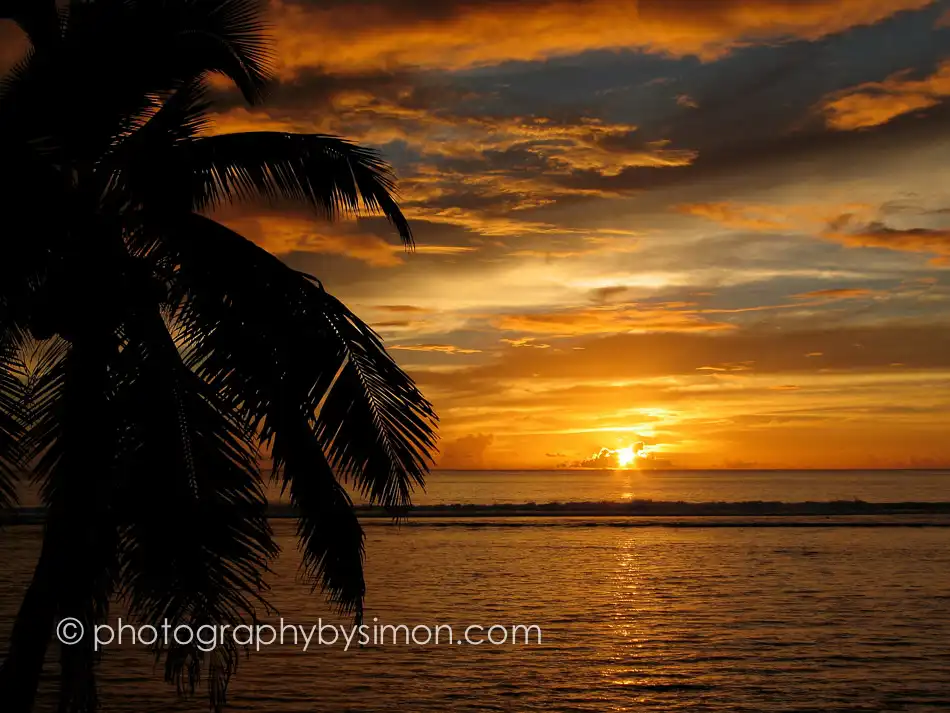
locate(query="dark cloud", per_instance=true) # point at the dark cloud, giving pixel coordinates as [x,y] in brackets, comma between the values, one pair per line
[465,453]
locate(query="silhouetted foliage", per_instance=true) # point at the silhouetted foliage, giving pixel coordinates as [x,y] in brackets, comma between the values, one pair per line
[149,354]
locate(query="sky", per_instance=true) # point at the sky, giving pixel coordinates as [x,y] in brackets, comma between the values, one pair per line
[720,228]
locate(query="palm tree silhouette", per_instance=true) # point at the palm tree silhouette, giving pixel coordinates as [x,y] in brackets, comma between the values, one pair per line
[149,355]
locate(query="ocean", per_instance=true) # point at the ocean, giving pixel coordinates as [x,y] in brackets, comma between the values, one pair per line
[527,486]
[665,618]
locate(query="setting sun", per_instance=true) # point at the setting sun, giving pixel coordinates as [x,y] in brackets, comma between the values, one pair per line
[626,456]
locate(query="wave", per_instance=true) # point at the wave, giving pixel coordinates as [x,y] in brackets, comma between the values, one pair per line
[634,513]
[652,508]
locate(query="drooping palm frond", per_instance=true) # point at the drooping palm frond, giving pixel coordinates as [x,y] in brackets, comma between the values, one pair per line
[371,418]
[329,532]
[374,423]
[293,361]
[194,537]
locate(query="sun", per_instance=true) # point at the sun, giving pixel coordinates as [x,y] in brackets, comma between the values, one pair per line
[625,456]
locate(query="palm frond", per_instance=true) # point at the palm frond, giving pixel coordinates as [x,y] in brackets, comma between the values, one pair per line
[176,41]
[330,174]
[194,536]
[228,37]
[13,426]
[372,421]
[305,374]
[329,532]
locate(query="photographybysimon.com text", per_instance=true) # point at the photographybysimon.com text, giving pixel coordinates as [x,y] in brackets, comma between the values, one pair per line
[207,637]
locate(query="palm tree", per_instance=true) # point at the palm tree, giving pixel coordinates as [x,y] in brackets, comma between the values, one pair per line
[149,355]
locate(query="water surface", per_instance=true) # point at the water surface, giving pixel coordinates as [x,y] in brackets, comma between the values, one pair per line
[633,619]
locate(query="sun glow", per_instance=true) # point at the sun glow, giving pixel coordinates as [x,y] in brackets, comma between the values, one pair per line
[625,456]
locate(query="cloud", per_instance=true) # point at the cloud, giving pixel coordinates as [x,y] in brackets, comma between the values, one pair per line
[525,343]
[610,319]
[685,100]
[728,367]
[465,33]
[836,293]
[738,146]
[432,123]
[286,233]
[605,458]
[486,152]
[602,295]
[584,143]
[395,324]
[401,309]
[467,168]
[670,356]
[876,103]
[747,217]
[848,231]
[440,348]
[467,452]
[852,225]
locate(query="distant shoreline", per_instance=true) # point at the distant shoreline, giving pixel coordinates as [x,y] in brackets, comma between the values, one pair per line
[847,511]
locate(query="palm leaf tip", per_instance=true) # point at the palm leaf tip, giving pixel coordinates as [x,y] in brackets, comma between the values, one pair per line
[335,176]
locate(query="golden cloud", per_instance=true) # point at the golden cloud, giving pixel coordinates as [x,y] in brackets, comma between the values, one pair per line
[402,309]
[568,401]
[525,343]
[459,35]
[878,235]
[584,144]
[282,235]
[765,217]
[613,319]
[440,348]
[836,293]
[477,171]
[854,225]
[877,103]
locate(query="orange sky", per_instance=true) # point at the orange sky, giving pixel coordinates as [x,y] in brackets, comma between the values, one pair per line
[719,227]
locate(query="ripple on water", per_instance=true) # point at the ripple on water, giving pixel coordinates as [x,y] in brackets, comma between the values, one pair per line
[648,620]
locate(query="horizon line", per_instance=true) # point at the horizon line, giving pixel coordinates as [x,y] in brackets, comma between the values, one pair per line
[695,470]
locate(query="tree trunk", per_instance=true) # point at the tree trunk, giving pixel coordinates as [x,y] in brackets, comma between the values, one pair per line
[21,669]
